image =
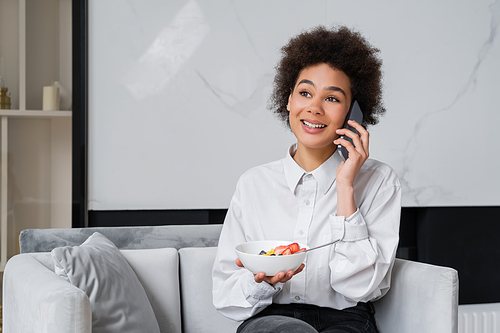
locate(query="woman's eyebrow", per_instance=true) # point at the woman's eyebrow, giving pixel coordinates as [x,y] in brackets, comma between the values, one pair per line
[331,88]
[307,82]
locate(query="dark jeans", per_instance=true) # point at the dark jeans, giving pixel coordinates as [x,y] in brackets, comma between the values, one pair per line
[305,318]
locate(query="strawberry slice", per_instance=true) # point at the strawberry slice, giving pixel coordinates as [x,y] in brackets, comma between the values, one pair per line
[287,251]
[294,247]
[280,249]
[302,249]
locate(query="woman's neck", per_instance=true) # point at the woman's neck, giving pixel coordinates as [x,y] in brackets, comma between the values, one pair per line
[310,159]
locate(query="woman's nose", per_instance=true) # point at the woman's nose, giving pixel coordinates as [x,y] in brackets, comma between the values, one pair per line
[315,107]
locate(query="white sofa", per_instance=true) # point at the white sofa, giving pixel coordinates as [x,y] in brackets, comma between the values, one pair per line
[177,281]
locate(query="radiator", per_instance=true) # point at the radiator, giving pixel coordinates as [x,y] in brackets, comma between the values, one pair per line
[479,318]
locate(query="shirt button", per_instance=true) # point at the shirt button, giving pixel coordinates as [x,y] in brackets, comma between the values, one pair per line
[297,298]
[307,202]
[301,232]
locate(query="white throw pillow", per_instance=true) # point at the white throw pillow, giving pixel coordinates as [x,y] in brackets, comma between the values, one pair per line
[118,300]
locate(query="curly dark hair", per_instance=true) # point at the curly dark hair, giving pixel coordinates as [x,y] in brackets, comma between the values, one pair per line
[342,49]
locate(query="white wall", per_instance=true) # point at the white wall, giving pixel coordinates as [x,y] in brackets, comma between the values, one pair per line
[178,94]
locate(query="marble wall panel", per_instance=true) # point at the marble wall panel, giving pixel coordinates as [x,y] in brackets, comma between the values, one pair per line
[178,94]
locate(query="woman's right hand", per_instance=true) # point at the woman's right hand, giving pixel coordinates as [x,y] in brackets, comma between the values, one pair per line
[280,277]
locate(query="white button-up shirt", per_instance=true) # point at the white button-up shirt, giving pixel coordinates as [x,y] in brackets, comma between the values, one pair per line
[279,200]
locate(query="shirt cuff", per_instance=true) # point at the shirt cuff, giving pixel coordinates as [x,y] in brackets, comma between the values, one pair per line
[348,230]
[260,291]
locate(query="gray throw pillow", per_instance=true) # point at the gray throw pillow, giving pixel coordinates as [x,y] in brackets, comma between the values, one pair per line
[118,300]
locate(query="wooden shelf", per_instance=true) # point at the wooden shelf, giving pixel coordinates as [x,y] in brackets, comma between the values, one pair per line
[35,145]
[35,113]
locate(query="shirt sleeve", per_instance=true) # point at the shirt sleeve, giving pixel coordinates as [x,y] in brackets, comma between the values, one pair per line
[236,295]
[361,264]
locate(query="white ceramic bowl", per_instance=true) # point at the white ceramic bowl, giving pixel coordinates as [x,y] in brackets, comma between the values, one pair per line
[271,265]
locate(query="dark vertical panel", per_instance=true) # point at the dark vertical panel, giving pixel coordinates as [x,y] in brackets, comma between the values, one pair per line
[407,248]
[80,111]
[464,238]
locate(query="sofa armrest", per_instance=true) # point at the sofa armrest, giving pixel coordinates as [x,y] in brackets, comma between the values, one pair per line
[422,298]
[34,297]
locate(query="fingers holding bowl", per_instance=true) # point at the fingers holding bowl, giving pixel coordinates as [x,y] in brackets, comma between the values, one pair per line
[280,277]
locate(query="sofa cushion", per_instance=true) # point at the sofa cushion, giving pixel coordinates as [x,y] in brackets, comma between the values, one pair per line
[118,300]
[158,272]
[198,311]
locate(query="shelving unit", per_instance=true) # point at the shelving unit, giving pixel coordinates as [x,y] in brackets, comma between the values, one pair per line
[35,158]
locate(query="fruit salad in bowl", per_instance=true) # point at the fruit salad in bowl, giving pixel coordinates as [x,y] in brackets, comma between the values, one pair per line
[271,256]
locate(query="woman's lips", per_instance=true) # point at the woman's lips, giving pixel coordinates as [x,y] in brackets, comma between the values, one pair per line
[312,127]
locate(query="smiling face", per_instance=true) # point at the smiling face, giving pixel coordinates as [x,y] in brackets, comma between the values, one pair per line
[318,106]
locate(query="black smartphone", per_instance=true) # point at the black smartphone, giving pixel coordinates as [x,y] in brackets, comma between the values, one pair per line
[356,115]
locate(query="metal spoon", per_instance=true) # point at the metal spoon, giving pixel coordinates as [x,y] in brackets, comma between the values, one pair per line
[318,247]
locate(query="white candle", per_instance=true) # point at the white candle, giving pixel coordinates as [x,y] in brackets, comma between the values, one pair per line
[50,98]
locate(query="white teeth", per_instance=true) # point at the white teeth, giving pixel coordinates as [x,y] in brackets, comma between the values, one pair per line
[308,124]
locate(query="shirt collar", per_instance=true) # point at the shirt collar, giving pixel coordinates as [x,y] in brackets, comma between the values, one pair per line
[324,174]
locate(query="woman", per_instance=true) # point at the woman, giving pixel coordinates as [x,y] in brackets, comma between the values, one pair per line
[313,196]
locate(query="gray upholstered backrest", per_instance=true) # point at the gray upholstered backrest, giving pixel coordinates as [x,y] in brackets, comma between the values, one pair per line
[198,311]
[177,236]
[158,272]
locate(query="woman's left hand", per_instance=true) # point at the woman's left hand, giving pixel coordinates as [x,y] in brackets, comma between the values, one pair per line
[358,154]
[280,277]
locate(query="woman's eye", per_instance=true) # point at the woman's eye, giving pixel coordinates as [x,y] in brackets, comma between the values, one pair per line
[331,99]
[305,94]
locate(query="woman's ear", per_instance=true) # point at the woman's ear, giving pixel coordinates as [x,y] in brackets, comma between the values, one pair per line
[288,105]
